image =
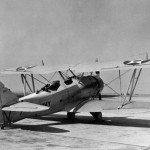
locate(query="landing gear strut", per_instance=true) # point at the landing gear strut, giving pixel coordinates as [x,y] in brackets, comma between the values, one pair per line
[97,116]
[2,127]
[71,116]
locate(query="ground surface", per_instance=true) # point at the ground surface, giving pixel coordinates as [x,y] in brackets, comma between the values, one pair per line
[127,129]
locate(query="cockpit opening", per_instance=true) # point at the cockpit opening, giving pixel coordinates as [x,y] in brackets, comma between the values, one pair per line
[50,87]
[46,88]
[55,85]
[68,81]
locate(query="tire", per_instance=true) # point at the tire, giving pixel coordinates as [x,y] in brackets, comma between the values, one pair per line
[97,116]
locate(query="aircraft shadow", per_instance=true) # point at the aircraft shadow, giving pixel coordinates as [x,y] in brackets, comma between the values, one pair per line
[127,122]
[60,119]
[109,121]
[40,128]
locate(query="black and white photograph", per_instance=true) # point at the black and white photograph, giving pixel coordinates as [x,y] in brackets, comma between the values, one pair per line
[75,74]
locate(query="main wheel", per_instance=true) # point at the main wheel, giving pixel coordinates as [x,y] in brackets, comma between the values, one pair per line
[70,115]
[97,116]
[2,127]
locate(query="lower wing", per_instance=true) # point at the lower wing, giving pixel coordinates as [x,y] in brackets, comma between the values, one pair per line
[109,104]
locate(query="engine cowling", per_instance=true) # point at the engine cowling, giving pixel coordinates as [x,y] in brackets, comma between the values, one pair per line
[91,85]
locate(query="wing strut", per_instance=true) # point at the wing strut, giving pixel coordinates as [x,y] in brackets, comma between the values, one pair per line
[131,87]
[25,82]
[107,84]
[126,98]
[120,86]
[33,82]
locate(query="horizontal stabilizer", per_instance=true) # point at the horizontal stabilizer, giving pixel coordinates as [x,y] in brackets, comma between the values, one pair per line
[25,107]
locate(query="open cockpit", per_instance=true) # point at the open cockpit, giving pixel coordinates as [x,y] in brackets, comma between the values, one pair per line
[50,87]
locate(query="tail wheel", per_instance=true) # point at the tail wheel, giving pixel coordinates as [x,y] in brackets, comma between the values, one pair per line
[97,116]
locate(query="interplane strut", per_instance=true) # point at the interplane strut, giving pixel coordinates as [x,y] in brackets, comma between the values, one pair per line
[127,97]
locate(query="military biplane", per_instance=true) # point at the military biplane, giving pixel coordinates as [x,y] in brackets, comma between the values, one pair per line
[75,92]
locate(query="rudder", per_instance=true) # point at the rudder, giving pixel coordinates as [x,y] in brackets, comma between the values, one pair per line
[6,98]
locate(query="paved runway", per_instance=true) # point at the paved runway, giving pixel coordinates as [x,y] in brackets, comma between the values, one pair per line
[127,129]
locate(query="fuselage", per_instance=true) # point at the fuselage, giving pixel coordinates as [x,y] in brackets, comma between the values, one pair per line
[65,98]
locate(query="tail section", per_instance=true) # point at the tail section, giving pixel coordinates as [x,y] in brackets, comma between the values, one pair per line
[6,98]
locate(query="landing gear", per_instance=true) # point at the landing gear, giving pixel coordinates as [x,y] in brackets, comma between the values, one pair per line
[2,127]
[97,116]
[99,96]
[71,116]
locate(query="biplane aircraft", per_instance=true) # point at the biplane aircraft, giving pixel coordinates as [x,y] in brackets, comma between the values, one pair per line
[76,92]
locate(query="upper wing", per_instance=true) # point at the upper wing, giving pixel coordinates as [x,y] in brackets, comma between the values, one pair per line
[35,69]
[84,67]
[109,66]
[25,107]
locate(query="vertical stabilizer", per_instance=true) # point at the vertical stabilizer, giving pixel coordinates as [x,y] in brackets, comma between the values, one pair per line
[6,98]
[1,115]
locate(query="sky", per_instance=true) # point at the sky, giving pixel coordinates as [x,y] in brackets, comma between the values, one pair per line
[73,31]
